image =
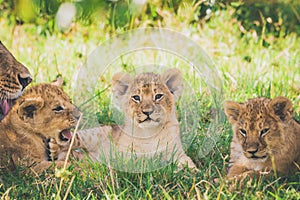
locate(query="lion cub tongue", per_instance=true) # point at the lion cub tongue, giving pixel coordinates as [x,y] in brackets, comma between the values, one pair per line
[67,134]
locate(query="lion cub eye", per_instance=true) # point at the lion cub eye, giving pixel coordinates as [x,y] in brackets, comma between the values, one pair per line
[58,108]
[243,132]
[136,98]
[158,97]
[264,131]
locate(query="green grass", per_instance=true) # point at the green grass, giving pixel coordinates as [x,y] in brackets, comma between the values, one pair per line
[247,68]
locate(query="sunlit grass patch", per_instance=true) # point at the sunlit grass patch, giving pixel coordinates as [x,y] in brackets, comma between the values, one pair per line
[246,67]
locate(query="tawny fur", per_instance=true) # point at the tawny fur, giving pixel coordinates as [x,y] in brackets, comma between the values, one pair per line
[14,77]
[41,113]
[266,137]
[147,94]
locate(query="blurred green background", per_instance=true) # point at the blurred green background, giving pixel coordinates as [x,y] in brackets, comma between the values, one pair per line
[279,17]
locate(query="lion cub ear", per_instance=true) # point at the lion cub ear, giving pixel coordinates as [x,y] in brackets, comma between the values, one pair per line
[120,83]
[58,82]
[173,79]
[232,110]
[282,107]
[28,107]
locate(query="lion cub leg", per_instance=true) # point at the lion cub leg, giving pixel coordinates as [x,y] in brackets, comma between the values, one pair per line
[237,171]
[184,159]
[45,165]
[55,151]
[240,172]
[59,153]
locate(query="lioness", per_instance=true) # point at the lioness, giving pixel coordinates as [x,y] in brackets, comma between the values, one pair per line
[266,137]
[14,77]
[42,112]
[151,126]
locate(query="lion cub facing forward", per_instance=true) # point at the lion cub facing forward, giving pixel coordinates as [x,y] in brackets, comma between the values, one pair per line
[151,126]
[266,137]
[42,112]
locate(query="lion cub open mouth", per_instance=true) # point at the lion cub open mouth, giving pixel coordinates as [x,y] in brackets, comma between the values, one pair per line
[66,135]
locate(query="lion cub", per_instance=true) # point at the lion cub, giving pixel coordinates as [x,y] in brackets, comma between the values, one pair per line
[266,137]
[42,112]
[151,126]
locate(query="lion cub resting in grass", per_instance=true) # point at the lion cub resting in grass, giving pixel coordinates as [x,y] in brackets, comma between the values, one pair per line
[266,137]
[151,126]
[42,112]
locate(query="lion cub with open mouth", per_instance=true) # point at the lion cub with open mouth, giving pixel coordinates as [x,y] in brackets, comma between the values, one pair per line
[266,138]
[42,113]
[151,126]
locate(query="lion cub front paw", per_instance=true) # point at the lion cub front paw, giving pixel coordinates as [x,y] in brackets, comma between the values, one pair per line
[54,149]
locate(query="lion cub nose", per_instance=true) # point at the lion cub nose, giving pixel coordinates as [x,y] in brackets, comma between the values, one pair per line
[76,113]
[148,110]
[252,150]
[148,113]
